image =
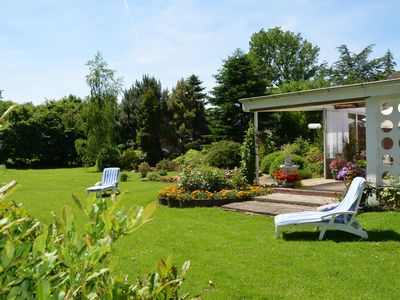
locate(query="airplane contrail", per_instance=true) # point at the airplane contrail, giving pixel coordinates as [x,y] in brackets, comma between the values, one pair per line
[131,21]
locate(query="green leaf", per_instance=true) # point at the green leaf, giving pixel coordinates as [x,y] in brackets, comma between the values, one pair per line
[7,254]
[148,211]
[39,245]
[107,221]
[68,218]
[77,201]
[43,290]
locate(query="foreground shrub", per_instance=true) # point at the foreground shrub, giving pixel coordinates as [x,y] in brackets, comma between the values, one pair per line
[108,157]
[58,262]
[224,155]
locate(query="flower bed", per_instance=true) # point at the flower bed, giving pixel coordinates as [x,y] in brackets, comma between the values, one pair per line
[174,196]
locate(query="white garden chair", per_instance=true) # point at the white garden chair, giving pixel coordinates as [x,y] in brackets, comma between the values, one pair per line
[109,182]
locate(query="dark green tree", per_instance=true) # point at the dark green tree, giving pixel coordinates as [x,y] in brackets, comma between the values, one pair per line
[283,56]
[129,113]
[144,117]
[236,79]
[148,126]
[358,67]
[101,110]
[187,114]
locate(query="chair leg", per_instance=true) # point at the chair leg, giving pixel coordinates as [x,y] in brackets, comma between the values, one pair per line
[322,233]
[277,232]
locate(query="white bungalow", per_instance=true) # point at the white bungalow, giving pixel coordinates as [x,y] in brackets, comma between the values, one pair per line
[368,112]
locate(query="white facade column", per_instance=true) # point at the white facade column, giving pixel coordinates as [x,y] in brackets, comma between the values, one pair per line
[257,169]
[372,111]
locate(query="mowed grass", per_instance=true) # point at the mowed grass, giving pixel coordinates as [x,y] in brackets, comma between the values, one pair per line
[233,255]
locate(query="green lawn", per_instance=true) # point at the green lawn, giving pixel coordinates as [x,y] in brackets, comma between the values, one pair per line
[237,252]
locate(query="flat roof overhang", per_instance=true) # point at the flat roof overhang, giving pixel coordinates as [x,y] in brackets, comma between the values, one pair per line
[318,99]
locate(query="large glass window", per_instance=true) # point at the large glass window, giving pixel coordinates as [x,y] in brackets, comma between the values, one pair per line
[357,132]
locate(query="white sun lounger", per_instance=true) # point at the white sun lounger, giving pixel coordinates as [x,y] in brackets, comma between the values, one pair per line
[340,217]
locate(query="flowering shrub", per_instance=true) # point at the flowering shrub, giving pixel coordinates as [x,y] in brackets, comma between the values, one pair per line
[279,175]
[350,171]
[293,177]
[177,193]
[203,178]
[336,165]
[143,169]
[169,178]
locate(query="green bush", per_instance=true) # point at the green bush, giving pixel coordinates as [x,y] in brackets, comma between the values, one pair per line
[248,156]
[314,162]
[203,178]
[108,157]
[162,172]
[131,158]
[167,165]
[153,176]
[192,158]
[266,161]
[300,147]
[362,163]
[280,160]
[143,169]
[124,177]
[224,154]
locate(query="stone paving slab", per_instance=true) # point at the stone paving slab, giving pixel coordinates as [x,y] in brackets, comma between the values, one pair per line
[265,208]
[305,200]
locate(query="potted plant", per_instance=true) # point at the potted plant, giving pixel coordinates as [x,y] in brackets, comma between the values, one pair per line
[278,176]
[292,180]
[335,166]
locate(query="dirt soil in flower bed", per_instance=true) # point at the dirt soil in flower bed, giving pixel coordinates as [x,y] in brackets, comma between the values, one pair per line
[197,203]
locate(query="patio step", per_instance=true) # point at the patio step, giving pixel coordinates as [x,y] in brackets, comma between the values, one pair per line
[309,192]
[281,203]
[296,199]
[265,208]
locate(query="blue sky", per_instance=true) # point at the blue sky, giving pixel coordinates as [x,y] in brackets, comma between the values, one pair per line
[45,44]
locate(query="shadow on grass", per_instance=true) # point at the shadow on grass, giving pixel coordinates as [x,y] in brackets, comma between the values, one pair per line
[340,236]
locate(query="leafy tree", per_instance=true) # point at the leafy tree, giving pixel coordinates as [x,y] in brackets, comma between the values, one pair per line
[187,115]
[358,67]
[235,80]
[282,56]
[101,109]
[248,156]
[42,135]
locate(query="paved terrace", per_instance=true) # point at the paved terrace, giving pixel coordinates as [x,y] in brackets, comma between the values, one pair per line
[315,192]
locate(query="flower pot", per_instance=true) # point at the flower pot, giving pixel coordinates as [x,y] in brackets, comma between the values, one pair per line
[290,184]
[334,174]
[163,201]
